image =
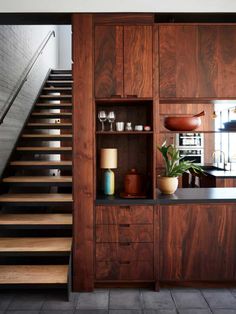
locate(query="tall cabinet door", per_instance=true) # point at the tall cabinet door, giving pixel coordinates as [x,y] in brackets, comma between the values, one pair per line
[138,61]
[108,74]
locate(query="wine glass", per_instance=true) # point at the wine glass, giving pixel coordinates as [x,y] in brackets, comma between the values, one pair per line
[111,118]
[102,116]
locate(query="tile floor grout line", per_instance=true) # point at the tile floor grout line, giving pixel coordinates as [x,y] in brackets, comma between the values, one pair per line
[109,295]
[172,297]
[206,301]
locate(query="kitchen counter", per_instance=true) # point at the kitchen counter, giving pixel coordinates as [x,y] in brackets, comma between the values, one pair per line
[198,195]
[181,196]
[221,173]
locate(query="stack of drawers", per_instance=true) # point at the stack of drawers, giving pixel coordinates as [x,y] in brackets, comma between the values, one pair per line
[124,243]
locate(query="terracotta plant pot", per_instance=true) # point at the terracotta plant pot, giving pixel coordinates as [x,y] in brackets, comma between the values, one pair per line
[167,185]
[183,123]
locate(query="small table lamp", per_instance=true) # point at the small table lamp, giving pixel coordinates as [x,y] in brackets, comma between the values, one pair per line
[108,162]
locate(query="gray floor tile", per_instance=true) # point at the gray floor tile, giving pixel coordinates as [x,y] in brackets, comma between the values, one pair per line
[58,301]
[233,291]
[125,311]
[93,301]
[125,299]
[5,300]
[219,298]
[222,311]
[195,311]
[173,311]
[56,312]
[91,312]
[27,301]
[189,299]
[21,312]
[158,300]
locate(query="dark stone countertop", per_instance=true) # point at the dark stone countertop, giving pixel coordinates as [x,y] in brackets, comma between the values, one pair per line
[181,196]
[221,173]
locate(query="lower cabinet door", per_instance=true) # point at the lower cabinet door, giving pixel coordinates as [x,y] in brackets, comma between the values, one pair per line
[124,270]
[124,233]
[124,252]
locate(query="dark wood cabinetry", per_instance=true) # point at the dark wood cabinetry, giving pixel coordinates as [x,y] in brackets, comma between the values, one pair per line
[198,242]
[123,61]
[124,243]
[197,61]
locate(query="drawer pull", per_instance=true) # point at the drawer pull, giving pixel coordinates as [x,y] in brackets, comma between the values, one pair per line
[115,96]
[125,207]
[132,96]
[125,244]
[124,225]
[124,262]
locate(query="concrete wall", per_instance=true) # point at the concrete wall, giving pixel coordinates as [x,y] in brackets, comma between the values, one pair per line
[118,6]
[18,45]
[64,46]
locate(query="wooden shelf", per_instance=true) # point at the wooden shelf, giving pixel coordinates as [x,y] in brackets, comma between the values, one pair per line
[124,132]
[195,100]
[196,131]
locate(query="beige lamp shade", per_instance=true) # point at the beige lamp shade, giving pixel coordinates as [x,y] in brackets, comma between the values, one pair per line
[108,158]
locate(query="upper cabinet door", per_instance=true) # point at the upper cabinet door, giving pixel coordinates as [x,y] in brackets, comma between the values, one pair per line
[138,61]
[178,61]
[227,61]
[108,74]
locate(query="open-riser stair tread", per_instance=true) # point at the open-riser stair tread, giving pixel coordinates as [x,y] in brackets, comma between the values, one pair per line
[43,149]
[41,197]
[34,274]
[53,106]
[49,125]
[35,244]
[52,115]
[35,219]
[47,137]
[38,179]
[42,164]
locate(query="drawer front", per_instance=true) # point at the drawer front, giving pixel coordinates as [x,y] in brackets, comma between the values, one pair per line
[124,215]
[124,233]
[121,252]
[137,270]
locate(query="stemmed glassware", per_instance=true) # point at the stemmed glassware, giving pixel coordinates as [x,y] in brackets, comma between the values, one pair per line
[111,118]
[102,116]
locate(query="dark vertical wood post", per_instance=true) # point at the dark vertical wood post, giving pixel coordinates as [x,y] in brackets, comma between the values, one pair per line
[83,189]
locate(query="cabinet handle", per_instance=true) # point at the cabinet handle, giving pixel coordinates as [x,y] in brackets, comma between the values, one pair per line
[124,225]
[132,96]
[124,262]
[125,244]
[115,96]
[125,207]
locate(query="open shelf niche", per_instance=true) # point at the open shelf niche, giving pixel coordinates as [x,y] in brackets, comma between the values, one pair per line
[135,148]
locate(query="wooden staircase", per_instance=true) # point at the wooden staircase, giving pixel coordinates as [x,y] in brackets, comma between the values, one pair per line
[36,193]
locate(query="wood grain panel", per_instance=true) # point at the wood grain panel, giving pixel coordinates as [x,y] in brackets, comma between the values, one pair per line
[186,61]
[124,251]
[138,61]
[123,18]
[225,182]
[198,242]
[137,270]
[167,64]
[124,233]
[207,61]
[83,129]
[227,61]
[124,214]
[108,72]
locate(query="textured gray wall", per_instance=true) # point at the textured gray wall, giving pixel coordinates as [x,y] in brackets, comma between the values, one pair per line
[18,44]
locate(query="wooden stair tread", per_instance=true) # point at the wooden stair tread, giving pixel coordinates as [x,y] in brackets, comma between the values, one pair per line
[41,163]
[35,219]
[38,179]
[59,81]
[55,96]
[49,124]
[51,114]
[46,135]
[33,274]
[52,104]
[52,88]
[39,149]
[42,198]
[23,244]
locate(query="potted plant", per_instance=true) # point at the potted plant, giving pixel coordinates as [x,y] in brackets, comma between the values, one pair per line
[175,166]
